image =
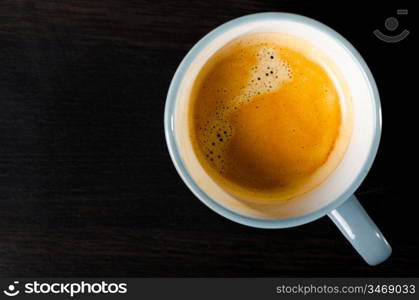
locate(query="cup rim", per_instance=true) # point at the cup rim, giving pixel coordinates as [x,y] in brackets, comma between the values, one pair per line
[170,130]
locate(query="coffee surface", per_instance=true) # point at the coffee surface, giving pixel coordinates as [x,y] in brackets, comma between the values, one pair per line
[264,118]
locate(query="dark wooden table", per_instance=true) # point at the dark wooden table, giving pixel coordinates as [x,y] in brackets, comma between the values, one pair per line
[87,187]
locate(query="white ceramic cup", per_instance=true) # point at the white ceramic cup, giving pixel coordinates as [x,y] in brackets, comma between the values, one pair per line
[334,196]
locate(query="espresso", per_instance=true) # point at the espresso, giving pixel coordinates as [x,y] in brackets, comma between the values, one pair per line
[264,118]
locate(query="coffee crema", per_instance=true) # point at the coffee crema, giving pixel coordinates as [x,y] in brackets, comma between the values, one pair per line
[265,118]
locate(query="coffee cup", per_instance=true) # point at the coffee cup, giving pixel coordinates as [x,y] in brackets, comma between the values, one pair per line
[334,197]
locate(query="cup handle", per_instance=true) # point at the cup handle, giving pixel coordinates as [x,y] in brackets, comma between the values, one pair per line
[358,228]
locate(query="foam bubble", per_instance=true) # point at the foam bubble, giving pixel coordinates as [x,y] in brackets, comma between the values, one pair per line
[270,72]
[266,76]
